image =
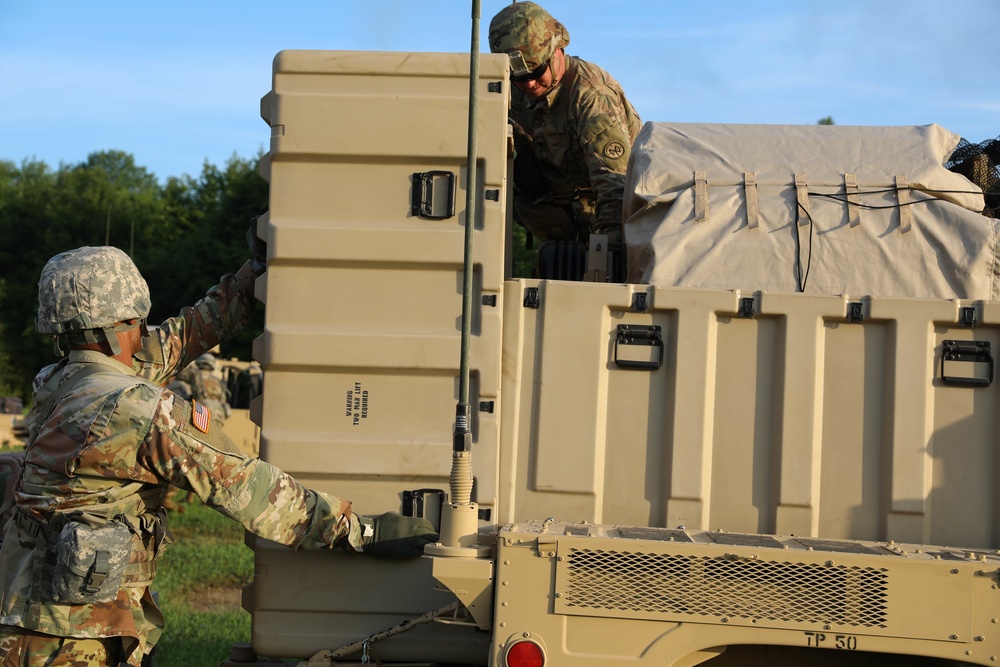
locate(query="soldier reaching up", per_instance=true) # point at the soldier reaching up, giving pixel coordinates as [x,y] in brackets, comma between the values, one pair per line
[107,442]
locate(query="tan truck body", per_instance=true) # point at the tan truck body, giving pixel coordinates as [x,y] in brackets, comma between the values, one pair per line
[666,475]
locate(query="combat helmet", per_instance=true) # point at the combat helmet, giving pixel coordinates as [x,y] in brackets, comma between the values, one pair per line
[528,34]
[84,295]
[207,361]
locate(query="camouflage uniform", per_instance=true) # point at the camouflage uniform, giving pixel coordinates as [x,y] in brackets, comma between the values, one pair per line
[111,447]
[579,133]
[204,386]
[212,393]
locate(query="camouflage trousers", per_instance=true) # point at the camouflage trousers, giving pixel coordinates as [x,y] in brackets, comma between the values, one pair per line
[25,648]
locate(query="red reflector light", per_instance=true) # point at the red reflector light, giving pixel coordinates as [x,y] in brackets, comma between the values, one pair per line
[525,654]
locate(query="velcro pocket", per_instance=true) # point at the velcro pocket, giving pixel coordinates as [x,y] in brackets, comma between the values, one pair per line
[90,562]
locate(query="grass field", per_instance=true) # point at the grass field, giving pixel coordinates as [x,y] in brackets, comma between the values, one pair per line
[199,582]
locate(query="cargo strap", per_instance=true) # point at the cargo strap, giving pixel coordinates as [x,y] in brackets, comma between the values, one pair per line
[802,199]
[853,199]
[903,197]
[700,197]
[326,658]
[99,573]
[750,189]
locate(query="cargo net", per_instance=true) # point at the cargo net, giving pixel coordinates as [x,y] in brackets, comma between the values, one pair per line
[980,163]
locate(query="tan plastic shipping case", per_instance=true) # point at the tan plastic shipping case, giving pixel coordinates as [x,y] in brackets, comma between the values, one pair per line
[816,416]
[831,417]
[363,296]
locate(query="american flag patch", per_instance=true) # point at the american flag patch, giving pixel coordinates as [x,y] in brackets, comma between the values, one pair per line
[201,417]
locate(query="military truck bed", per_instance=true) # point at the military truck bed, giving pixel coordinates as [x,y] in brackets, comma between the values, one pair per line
[845,417]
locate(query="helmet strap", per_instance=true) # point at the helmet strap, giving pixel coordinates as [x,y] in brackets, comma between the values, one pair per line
[106,334]
[112,339]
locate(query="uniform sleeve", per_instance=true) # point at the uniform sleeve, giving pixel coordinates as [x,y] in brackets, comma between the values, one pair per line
[218,316]
[603,128]
[265,500]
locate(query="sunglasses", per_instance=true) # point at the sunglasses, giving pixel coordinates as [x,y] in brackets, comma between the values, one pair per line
[533,75]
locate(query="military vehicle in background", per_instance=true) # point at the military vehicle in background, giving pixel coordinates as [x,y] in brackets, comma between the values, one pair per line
[240,381]
[779,449]
[243,381]
[12,425]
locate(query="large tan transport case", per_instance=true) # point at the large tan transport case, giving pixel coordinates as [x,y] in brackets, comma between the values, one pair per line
[823,417]
[363,297]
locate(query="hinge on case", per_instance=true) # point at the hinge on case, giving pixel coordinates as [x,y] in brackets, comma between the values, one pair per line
[547,546]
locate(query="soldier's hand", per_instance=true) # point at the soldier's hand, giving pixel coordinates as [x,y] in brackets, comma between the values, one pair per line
[396,536]
[258,248]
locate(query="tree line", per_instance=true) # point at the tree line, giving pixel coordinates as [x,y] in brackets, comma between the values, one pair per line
[182,235]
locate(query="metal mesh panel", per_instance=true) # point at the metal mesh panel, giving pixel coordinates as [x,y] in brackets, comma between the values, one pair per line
[726,587]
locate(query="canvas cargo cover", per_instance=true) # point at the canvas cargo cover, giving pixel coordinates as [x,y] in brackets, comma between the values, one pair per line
[819,209]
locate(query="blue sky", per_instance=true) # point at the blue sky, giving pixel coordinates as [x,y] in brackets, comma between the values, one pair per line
[178,83]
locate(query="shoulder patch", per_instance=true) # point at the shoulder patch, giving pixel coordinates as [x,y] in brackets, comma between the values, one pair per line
[201,416]
[614,150]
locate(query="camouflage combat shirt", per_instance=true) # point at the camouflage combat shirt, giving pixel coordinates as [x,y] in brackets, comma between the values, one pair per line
[118,440]
[207,389]
[583,130]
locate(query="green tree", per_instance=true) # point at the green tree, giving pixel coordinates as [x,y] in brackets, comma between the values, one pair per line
[524,257]
[27,211]
[183,236]
[825,121]
[210,217]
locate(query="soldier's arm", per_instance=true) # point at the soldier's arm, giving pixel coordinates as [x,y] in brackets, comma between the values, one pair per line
[265,500]
[215,318]
[603,130]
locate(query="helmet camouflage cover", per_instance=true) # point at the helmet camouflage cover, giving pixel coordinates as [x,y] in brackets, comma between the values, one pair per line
[89,288]
[206,360]
[525,28]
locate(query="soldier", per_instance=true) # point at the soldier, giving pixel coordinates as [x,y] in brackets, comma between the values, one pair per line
[106,443]
[206,387]
[573,130]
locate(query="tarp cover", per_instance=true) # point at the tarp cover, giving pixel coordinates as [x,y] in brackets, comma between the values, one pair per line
[813,208]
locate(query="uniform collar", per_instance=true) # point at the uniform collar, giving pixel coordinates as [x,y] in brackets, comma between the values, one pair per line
[94,357]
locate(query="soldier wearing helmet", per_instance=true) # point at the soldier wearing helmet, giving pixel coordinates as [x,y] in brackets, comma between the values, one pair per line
[207,362]
[573,130]
[107,442]
[206,387]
